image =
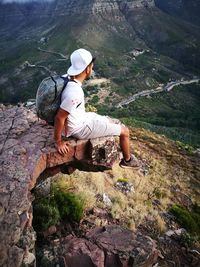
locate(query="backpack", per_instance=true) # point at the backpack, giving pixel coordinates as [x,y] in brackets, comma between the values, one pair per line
[48,97]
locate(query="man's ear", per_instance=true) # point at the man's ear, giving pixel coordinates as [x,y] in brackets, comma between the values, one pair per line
[87,70]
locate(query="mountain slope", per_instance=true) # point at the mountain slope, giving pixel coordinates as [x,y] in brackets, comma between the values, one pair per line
[139,46]
[111,29]
[167,35]
[185,9]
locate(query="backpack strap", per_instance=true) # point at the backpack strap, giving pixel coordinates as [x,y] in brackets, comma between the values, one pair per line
[66,80]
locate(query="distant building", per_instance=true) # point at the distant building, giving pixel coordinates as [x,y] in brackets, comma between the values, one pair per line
[43,40]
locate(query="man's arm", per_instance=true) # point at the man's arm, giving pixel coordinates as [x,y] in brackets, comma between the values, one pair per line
[59,122]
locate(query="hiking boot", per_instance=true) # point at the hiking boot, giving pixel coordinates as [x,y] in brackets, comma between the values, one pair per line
[133,163]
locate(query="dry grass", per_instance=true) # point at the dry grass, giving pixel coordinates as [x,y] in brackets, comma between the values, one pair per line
[168,167]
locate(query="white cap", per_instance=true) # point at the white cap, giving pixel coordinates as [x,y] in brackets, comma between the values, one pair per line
[80,59]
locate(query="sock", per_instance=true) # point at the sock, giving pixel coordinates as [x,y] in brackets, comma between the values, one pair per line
[128,160]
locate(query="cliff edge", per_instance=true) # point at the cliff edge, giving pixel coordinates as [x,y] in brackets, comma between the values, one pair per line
[128,219]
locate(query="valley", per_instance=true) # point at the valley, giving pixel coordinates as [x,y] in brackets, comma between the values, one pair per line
[60,210]
[140,46]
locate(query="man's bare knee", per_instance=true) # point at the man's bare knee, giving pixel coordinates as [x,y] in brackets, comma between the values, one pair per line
[124,132]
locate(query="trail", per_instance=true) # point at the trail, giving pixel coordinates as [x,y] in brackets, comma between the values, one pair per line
[29,65]
[54,53]
[63,57]
[168,87]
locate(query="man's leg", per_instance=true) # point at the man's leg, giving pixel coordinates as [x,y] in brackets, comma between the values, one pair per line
[125,143]
[100,128]
[129,160]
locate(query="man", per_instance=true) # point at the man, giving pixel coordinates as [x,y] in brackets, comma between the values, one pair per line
[79,123]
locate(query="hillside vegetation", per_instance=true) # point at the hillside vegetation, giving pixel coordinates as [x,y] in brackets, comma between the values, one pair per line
[175,114]
[112,31]
[157,202]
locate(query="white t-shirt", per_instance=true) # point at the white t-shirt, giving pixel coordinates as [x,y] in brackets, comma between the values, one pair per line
[73,102]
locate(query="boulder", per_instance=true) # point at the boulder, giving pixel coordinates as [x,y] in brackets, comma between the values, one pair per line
[79,252]
[123,247]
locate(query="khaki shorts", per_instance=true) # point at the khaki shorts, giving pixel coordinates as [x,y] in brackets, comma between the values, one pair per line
[98,126]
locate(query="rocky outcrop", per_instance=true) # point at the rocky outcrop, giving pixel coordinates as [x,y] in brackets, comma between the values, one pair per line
[123,247]
[27,150]
[105,6]
[126,5]
[111,246]
[39,9]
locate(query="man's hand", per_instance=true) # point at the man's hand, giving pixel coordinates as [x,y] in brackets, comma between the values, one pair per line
[62,147]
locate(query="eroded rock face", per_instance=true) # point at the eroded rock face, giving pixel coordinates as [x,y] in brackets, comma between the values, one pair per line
[27,150]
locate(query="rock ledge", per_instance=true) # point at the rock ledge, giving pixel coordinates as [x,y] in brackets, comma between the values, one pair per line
[27,151]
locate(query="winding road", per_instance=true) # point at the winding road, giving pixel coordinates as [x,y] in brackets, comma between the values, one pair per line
[168,87]
[63,57]
[29,65]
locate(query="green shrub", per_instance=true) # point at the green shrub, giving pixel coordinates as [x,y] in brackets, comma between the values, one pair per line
[90,108]
[94,99]
[69,205]
[122,180]
[188,239]
[45,214]
[186,147]
[60,205]
[196,214]
[188,220]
